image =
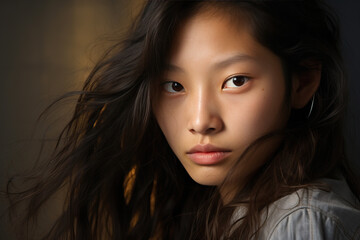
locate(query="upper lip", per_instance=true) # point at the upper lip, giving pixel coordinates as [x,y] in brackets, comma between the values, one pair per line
[207,148]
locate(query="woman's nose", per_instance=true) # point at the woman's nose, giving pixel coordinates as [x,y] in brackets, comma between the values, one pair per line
[204,115]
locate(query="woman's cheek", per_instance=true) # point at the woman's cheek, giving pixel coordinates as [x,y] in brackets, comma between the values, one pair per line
[254,115]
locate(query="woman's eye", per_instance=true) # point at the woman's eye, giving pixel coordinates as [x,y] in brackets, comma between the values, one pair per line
[173,87]
[236,81]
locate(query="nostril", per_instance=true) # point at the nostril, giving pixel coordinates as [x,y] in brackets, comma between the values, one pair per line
[206,125]
[209,130]
[205,131]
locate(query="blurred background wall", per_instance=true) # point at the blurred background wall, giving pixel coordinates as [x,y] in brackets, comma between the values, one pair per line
[48,47]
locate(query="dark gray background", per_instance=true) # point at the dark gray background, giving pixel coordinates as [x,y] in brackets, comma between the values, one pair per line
[348,12]
[48,47]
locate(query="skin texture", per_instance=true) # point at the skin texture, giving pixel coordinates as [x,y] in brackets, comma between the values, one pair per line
[198,102]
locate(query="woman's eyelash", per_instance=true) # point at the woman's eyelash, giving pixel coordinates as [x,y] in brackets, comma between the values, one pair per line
[236,81]
[172,87]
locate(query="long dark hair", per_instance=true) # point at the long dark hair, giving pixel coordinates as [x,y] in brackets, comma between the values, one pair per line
[122,179]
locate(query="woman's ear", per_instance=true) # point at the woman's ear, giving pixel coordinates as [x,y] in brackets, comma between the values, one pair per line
[305,84]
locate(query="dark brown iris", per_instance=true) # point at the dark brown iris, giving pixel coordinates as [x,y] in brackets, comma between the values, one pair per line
[177,87]
[239,80]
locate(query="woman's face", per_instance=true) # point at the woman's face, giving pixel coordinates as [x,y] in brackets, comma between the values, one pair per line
[221,91]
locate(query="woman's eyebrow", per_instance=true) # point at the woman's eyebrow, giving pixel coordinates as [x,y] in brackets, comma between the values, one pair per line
[217,65]
[233,59]
[173,68]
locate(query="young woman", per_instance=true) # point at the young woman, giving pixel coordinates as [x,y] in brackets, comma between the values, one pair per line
[212,120]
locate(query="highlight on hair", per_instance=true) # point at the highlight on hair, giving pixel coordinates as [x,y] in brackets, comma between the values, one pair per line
[122,179]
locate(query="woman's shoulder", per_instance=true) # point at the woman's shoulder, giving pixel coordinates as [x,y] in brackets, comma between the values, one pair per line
[315,214]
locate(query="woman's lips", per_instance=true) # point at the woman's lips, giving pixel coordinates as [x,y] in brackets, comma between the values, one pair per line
[207,154]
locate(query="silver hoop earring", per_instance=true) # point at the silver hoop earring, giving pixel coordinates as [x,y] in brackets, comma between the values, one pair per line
[312,105]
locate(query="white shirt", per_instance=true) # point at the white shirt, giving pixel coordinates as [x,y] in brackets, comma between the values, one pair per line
[313,215]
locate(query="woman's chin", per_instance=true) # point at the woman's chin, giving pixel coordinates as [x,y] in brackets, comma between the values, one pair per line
[208,177]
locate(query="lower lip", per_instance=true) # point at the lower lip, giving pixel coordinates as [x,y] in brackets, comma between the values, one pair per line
[208,158]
